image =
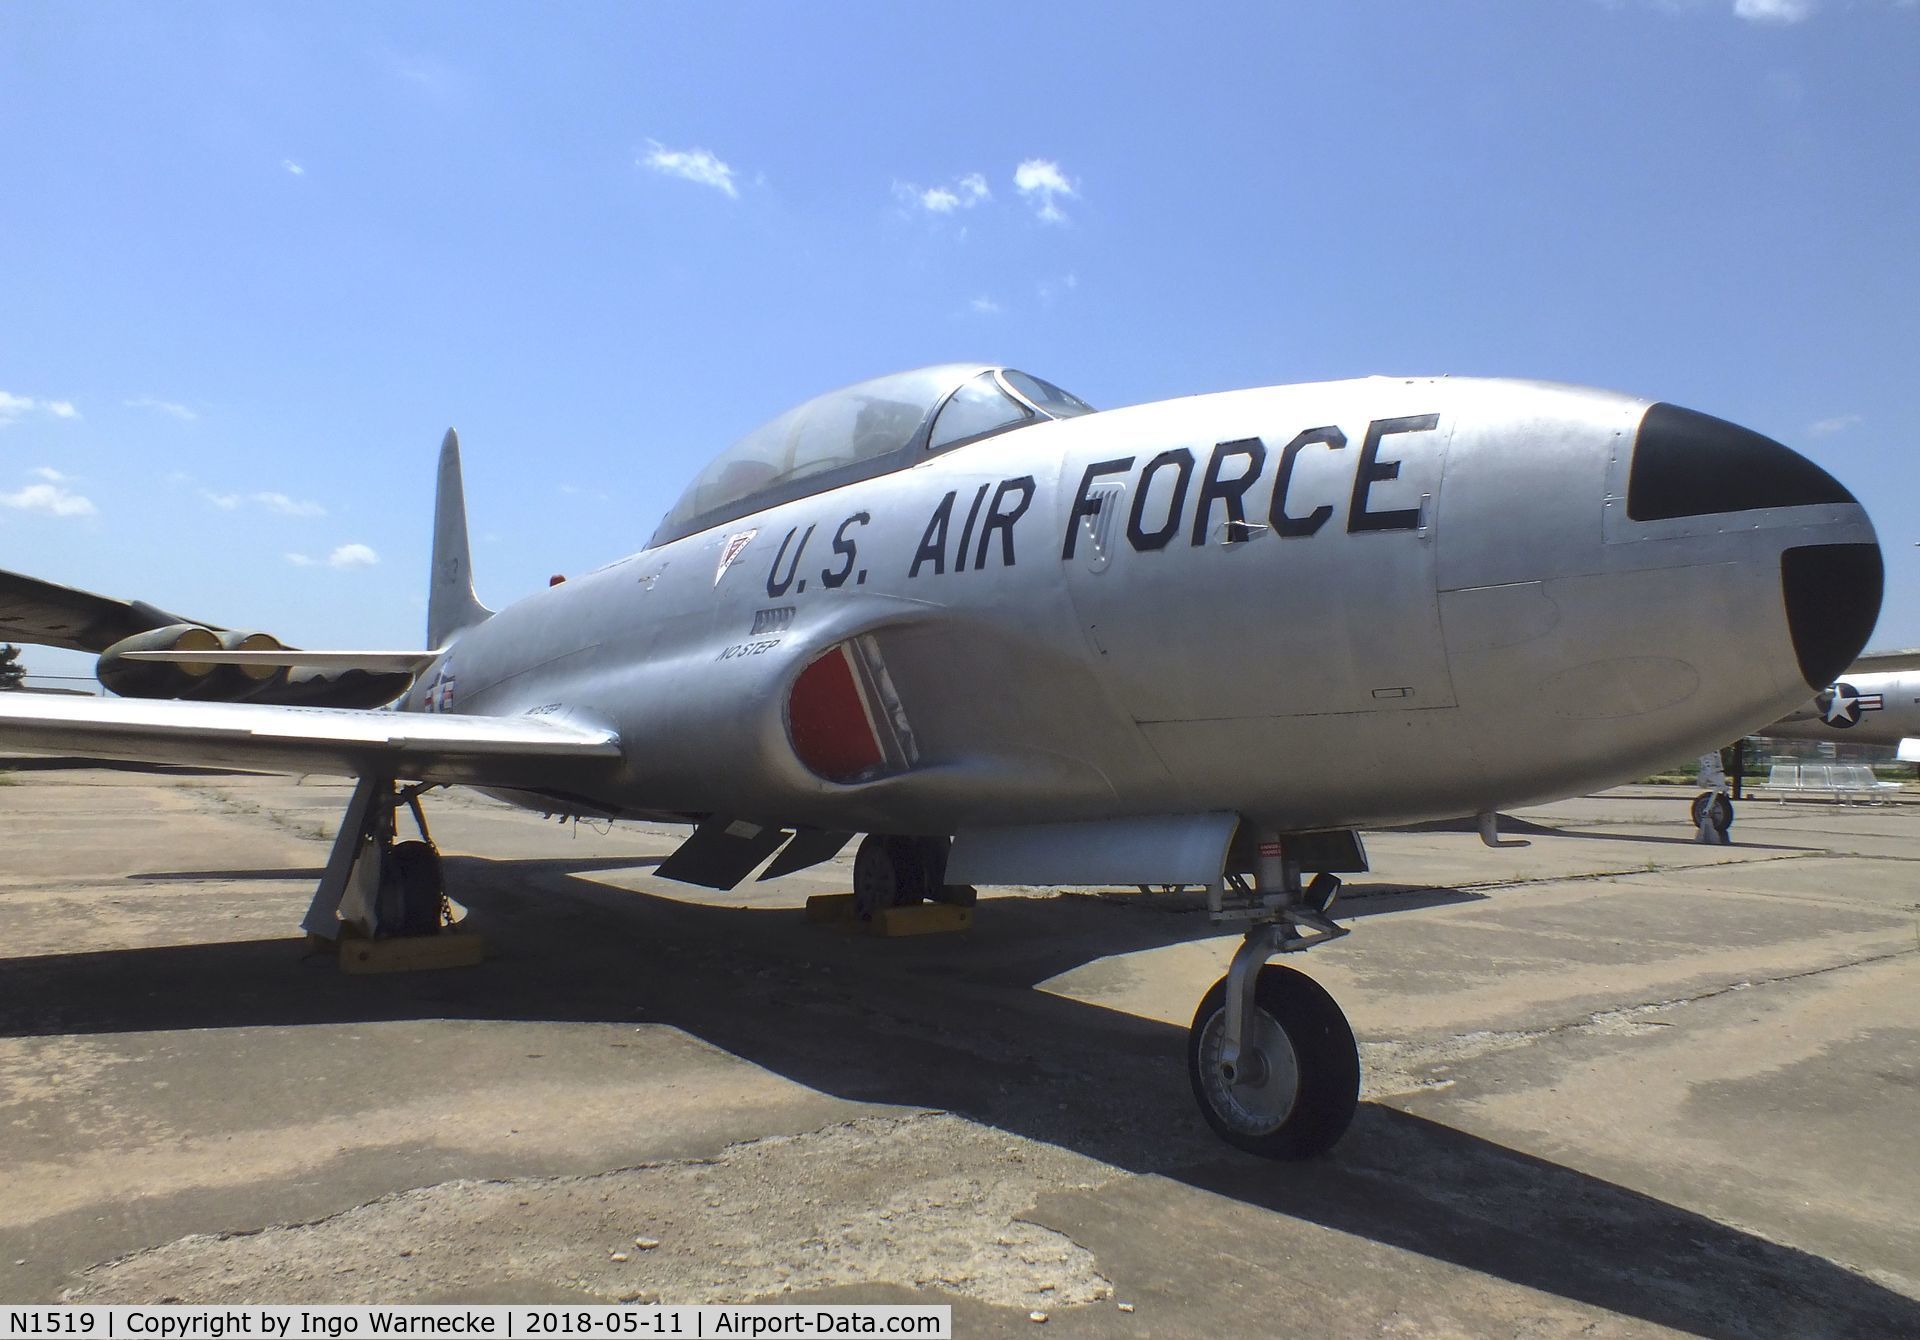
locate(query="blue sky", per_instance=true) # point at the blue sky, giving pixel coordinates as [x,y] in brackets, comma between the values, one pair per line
[255,258]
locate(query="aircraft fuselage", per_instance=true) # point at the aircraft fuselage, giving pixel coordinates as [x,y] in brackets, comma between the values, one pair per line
[1331,605]
[1857,709]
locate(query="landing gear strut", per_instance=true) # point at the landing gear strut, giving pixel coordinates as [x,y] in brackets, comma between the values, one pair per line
[377,885]
[894,871]
[1712,809]
[1271,1057]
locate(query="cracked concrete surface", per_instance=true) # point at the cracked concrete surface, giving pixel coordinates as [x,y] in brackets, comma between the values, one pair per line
[1616,1083]
[747,1222]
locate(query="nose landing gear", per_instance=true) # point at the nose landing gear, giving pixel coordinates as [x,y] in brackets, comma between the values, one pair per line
[1270,1054]
[1294,1085]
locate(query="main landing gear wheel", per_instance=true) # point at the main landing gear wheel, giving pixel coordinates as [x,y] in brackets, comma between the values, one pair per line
[413,890]
[1296,1084]
[895,871]
[886,873]
[1715,806]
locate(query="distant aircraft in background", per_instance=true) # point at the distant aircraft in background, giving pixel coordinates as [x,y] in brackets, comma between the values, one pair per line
[1877,701]
[1015,641]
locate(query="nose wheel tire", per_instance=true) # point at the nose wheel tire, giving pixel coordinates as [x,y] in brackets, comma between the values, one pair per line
[1295,1086]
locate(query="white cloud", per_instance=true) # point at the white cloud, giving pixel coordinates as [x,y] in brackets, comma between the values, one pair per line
[1044,185]
[273,502]
[13,406]
[51,475]
[1773,11]
[1050,289]
[695,165]
[50,498]
[985,306]
[281,503]
[437,80]
[346,556]
[964,193]
[293,168]
[1839,423]
[170,408]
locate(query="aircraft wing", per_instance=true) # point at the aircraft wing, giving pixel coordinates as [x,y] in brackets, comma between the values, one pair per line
[51,615]
[1885,662]
[374,662]
[500,751]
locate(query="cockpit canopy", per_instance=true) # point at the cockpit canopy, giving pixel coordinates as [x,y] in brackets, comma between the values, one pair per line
[872,428]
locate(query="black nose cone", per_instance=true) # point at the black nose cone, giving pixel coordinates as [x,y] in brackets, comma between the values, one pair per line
[1833,598]
[1691,464]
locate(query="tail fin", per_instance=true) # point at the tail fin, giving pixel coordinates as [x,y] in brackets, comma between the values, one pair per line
[451,605]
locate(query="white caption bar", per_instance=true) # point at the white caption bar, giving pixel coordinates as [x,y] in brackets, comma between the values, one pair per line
[500,1323]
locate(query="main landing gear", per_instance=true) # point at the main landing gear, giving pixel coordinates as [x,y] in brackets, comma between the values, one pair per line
[374,886]
[1712,816]
[894,871]
[1271,1057]
[1712,809]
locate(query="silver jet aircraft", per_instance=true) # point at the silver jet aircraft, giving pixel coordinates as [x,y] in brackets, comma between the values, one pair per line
[1202,641]
[1875,701]
[1863,706]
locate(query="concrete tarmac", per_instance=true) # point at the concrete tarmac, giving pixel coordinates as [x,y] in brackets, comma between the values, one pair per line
[1617,1083]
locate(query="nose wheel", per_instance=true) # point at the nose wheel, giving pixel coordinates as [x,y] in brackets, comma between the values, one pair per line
[1271,1057]
[1292,1089]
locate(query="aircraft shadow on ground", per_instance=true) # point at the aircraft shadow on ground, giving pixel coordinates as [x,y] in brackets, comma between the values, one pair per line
[1738,844]
[955,1023]
[1511,828]
[311,873]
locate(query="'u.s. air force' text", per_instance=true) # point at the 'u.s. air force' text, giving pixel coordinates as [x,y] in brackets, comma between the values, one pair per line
[974,533]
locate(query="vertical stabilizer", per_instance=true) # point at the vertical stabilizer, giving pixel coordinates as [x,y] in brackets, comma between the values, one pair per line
[451,605]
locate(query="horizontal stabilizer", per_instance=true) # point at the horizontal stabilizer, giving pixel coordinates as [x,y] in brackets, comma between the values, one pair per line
[380,662]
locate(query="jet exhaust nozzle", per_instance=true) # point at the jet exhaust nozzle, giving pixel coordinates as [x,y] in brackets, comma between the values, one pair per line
[239,683]
[149,679]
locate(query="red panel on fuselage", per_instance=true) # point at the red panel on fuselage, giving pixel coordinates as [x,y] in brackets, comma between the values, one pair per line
[828,720]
